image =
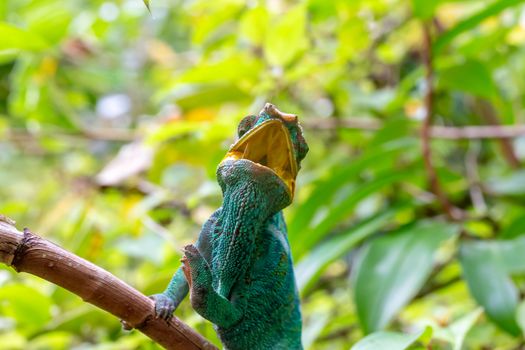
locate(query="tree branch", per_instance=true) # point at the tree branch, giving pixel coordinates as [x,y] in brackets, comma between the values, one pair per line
[478,132]
[494,131]
[27,252]
[427,122]
[436,132]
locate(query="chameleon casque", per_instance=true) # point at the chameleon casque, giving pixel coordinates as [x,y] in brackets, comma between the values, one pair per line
[239,272]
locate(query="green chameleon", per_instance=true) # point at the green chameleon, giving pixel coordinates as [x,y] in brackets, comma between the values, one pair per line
[240,273]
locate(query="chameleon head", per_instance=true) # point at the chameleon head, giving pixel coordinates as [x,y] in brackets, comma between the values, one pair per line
[273,143]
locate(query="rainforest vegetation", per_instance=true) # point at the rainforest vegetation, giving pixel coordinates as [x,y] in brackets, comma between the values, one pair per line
[407,228]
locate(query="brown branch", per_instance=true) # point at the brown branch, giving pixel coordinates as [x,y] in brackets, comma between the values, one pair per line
[359,123]
[478,132]
[436,132]
[27,252]
[427,122]
[346,123]
[96,134]
[475,188]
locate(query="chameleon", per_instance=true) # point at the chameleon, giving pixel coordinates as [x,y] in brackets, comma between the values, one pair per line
[239,273]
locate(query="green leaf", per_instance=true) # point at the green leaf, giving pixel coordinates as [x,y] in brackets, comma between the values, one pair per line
[197,95]
[303,231]
[392,269]
[520,316]
[147,3]
[339,211]
[27,305]
[424,9]
[14,38]
[254,25]
[461,327]
[50,20]
[234,68]
[287,38]
[312,265]
[15,340]
[512,185]
[515,229]
[488,267]
[353,36]
[52,340]
[471,77]
[390,340]
[471,22]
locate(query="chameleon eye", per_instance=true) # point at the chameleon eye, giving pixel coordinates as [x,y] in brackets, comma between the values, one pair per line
[246,124]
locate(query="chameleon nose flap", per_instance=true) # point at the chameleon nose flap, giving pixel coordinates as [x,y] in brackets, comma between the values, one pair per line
[272,111]
[290,118]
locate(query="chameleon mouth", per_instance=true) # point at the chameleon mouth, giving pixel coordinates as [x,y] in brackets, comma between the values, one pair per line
[268,145]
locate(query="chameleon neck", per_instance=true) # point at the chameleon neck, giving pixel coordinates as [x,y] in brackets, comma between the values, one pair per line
[244,212]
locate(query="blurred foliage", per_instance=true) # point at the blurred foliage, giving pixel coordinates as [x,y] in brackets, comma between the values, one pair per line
[113,120]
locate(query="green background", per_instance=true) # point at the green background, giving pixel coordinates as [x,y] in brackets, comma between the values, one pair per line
[113,120]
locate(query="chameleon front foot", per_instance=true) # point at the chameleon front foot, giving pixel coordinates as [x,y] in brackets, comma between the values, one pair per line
[164,306]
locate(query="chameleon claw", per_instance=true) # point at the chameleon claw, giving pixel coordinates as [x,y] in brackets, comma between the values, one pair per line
[164,306]
[191,251]
[186,269]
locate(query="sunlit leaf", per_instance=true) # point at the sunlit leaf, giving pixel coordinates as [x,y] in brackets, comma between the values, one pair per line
[291,26]
[50,20]
[198,95]
[15,340]
[233,69]
[255,24]
[14,38]
[456,332]
[52,340]
[471,76]
[424,9]
[472,21]
[27,305]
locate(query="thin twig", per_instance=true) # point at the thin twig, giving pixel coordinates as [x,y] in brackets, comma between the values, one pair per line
[98,134]
[471,166]
[427,122]
[436,132]
[359,123]
[478,132]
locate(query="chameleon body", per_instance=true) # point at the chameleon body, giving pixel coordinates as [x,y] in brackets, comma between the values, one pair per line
[239,273]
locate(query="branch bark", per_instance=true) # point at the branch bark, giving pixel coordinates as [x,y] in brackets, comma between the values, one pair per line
[493,131]
[436,132]
[427,123]
[27,252]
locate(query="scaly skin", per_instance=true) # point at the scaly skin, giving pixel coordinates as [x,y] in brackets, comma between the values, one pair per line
[240,273]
